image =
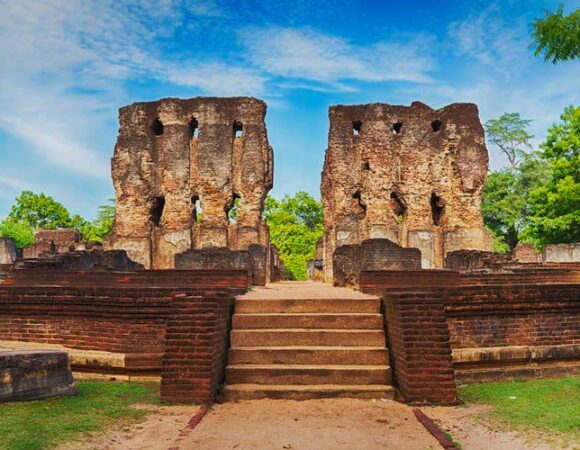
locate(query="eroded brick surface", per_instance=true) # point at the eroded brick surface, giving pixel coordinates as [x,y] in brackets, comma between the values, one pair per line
[177,169]
[410,174]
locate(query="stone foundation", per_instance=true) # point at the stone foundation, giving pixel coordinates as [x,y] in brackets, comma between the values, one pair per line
[34,375]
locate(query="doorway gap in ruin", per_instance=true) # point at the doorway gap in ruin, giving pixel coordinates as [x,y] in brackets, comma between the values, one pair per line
[437,208]
[399,206]
[356,127]
[157,127]
[156,211]
[193,128]
[397,127]
[238,129]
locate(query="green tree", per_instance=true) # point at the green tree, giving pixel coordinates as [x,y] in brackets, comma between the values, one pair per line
[555,206]
[505,205]
[19,230]
[509,133]
[556,36]
[295,225]
[40,211]
[101,226]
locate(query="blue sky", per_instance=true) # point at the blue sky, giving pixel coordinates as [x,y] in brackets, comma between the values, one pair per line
[66,66]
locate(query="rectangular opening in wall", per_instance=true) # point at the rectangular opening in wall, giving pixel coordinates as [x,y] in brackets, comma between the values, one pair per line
[196,209]
[156,211]
[238,129]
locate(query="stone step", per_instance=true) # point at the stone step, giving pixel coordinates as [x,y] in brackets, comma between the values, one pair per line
[306,392]
[369,306]
[308,320]
[309,355]
[307,374]
[281,337]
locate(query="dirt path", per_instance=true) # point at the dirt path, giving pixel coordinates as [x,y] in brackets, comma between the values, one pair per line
[337,424]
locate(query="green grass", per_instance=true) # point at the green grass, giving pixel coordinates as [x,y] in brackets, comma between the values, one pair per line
[45,423]
[548,405]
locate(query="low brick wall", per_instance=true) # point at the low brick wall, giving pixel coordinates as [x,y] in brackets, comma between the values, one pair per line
[499,326]
[175,332]
[234,279]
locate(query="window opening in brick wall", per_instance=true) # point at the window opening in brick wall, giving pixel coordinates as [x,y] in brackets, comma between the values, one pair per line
[156,211]
[157,127]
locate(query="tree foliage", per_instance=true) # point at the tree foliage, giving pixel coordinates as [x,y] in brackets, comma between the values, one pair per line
[539,200]
[555,206]
[505,205]
[40,211]
[97,229]
[509,133]
[19,230]
[295,225]
[557,36]
[32,211]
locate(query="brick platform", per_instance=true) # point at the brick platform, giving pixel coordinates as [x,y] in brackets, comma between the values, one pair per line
[176,328]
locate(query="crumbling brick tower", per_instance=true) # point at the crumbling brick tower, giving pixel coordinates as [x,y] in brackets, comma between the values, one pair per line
[413,175]
[178,168]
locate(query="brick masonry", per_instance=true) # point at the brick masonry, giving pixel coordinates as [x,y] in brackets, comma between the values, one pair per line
[178,328]
[491,326]
[419,344]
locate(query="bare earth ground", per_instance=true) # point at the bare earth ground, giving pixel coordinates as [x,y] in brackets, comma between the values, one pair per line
[311,425]
[475,431]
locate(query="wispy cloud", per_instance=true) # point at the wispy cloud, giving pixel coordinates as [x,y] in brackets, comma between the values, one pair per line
[65,64]
[307,54]
[489,38]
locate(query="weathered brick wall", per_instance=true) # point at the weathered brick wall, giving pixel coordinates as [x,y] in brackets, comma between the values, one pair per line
[502,315]
[419,346]
[499,326]
[411,174]
[195,348]
[174,159]
[469,260]
[151,326]
[372,254]
[237,280]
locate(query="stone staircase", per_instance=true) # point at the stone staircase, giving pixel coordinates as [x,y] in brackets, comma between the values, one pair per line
[307,340]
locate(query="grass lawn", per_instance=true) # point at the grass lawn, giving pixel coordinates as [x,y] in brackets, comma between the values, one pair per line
[45,423]
[548,405]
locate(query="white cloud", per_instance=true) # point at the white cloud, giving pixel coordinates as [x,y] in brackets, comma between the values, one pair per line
[218,78]
[500,74]
[490,39]
[310,55]
[65,64]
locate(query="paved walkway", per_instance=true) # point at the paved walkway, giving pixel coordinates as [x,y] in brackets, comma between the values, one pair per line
[302,290]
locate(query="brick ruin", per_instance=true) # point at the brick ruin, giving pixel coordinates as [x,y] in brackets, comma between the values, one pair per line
[410,174]
[180,167]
